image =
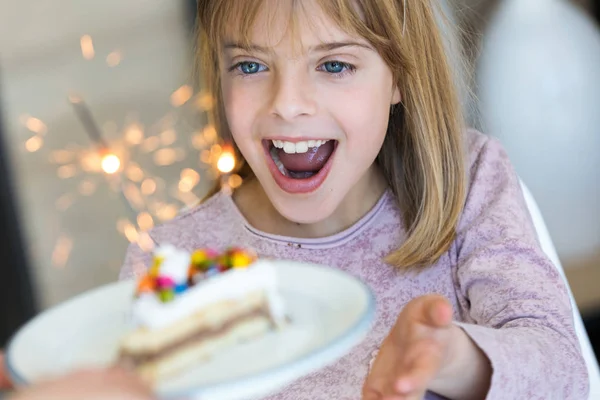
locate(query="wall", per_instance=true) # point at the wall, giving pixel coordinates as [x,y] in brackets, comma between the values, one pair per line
[42,64]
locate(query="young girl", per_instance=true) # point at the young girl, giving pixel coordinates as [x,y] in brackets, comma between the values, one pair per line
[348,120]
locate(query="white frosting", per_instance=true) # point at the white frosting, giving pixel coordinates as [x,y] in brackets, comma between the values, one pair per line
[165,250]
[150,312]
[176,263]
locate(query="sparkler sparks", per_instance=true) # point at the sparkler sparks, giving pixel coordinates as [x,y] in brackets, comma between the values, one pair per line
[62,251]
[226,162]
[148,198]
[181,96]
[113,59]
[132,164]
[111,164]
[87,47]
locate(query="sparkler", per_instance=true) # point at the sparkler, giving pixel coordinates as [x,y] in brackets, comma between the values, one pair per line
[149,199]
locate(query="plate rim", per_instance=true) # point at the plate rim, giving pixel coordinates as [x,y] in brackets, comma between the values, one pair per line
[353,334]
[17,378]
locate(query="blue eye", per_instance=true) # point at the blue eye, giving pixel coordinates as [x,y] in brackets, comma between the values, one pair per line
[334,67]
[337,69]
[250,67]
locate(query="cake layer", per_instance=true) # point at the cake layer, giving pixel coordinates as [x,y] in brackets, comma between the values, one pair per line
[148,341]
[200,336]
[201,349]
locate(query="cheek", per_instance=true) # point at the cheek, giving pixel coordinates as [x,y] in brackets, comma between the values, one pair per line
[239,111]
[364,116]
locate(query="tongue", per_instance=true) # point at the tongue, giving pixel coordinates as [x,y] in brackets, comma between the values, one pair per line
[311,161]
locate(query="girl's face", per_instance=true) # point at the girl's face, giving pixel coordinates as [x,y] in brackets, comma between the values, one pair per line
[308,108]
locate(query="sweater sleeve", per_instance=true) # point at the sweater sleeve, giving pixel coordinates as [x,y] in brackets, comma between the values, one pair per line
[515,303]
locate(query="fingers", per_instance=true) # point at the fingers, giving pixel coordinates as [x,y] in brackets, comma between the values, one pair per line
[431,310]
[129,382]
[426,360]
[413,354]
[410,378]
[381,390]
[439,312]
[369,393]
[5,382]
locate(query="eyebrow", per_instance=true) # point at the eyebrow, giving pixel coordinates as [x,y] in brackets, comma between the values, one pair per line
[329,46]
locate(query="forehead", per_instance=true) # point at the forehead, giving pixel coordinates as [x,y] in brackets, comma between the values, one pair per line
[295,24]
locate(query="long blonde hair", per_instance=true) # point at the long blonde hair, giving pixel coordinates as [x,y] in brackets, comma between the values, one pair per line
[422,157]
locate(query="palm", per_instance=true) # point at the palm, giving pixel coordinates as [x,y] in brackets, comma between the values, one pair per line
[413,353]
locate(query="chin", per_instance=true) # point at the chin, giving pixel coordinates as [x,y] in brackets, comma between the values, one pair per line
[304,211]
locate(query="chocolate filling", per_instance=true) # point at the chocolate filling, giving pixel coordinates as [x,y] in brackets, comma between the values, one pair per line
[135,360]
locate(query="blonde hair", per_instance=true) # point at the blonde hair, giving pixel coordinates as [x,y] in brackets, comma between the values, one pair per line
[422,157]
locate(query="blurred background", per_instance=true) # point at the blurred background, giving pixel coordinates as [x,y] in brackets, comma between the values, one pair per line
[102,135]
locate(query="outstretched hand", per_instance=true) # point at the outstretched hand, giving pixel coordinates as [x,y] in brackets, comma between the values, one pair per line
[97,384]
[5,382]
[101,384]
[416,351]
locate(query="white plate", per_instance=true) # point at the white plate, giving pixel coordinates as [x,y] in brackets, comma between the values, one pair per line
[331,312]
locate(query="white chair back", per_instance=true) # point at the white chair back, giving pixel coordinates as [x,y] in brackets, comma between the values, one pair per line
[548,248]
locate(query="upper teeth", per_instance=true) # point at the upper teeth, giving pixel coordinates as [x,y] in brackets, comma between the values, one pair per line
[297,147]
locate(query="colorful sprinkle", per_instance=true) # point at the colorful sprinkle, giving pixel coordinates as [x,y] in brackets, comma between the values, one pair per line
[211,253]
[146,284]
[203,264]
[223,268]
[166,295]
[203,259]
[163,282]
[240,260]
[198,257]
[155,268]
[223,261]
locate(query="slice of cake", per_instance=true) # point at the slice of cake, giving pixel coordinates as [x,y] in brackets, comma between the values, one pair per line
[191,306]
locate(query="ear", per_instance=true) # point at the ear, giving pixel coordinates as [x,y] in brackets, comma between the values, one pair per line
[396,96]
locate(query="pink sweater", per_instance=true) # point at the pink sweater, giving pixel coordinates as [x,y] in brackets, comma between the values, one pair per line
[506,294]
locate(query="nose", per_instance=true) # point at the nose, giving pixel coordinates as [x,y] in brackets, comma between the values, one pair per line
[293,96]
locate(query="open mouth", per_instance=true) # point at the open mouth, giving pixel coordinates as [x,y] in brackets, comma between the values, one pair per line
[300,166]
